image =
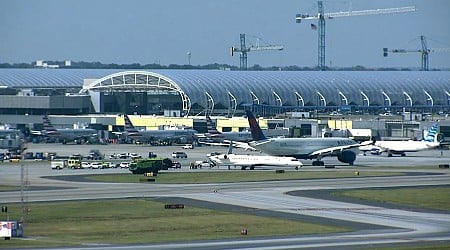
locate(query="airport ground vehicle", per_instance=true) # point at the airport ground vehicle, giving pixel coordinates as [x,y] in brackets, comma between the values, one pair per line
[202,164]
[95,154]
[108,165]
[135,156]
[96,165]
[124,164]
[153,165]
[187,146]
[85,164]
[179,155]
[59,164]
[75,161]
[176,164]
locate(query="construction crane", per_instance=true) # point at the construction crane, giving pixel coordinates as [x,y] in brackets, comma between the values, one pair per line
[321,16]
[243,50]
[424,52]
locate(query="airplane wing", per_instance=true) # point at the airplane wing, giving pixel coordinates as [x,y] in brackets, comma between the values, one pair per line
[226,143]
[242,145]
[332,150]
[214,143]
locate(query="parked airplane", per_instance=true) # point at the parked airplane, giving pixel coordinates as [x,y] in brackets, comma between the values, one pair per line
[430,141]
[67,135]
[172,135]
[251,161]
[214,136]
[304,148]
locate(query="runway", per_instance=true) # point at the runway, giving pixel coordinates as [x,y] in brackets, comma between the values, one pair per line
[374,224]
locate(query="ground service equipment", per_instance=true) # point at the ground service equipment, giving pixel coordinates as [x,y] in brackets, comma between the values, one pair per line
[59,164]
[74,161]
[153,165]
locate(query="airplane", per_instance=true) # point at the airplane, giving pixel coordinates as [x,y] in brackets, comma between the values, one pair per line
[430,141]
[67,135]
[214,136]
[304,148]
[250,161]
[179,135]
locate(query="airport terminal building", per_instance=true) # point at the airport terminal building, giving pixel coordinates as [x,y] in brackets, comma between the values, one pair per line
[221,92]
[98,95]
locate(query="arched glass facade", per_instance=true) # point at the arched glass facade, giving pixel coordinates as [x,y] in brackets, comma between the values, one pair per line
[316,88]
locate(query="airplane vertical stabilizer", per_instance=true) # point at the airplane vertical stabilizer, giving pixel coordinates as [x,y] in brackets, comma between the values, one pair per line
[129,128]
[257,134]
[48,127]
[210,126]
[212,132]
[230,148]
[432,134]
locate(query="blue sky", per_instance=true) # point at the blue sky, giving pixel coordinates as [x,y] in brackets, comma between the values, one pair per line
[163,31]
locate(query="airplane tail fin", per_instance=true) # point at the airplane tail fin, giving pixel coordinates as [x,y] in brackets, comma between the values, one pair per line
[211,127]
[230,148]
[212,132]
[48,126]
[432,134]
[129,128]
[257,134]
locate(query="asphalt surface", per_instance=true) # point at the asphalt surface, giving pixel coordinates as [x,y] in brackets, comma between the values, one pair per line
[305,200]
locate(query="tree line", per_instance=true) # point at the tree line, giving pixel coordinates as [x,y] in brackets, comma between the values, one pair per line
[256,67]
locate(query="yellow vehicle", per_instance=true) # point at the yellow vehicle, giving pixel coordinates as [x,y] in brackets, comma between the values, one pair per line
[74,161]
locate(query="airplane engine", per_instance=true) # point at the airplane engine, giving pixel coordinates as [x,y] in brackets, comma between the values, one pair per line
[347,156]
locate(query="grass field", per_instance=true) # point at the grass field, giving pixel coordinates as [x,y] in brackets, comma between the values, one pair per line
[143,221]
[129,221]
[237,176]
[9,188]
[425,197]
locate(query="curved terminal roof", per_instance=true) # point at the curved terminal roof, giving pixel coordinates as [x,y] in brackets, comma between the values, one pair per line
[50,78]
[280,88]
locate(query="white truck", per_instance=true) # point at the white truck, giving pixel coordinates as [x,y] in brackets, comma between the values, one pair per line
[59,164]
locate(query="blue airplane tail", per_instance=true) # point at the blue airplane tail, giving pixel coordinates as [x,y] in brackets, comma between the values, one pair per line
[432,135]
[257,134]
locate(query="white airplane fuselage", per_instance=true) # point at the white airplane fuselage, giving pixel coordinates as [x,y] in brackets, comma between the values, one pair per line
[405,146]
[254,160]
